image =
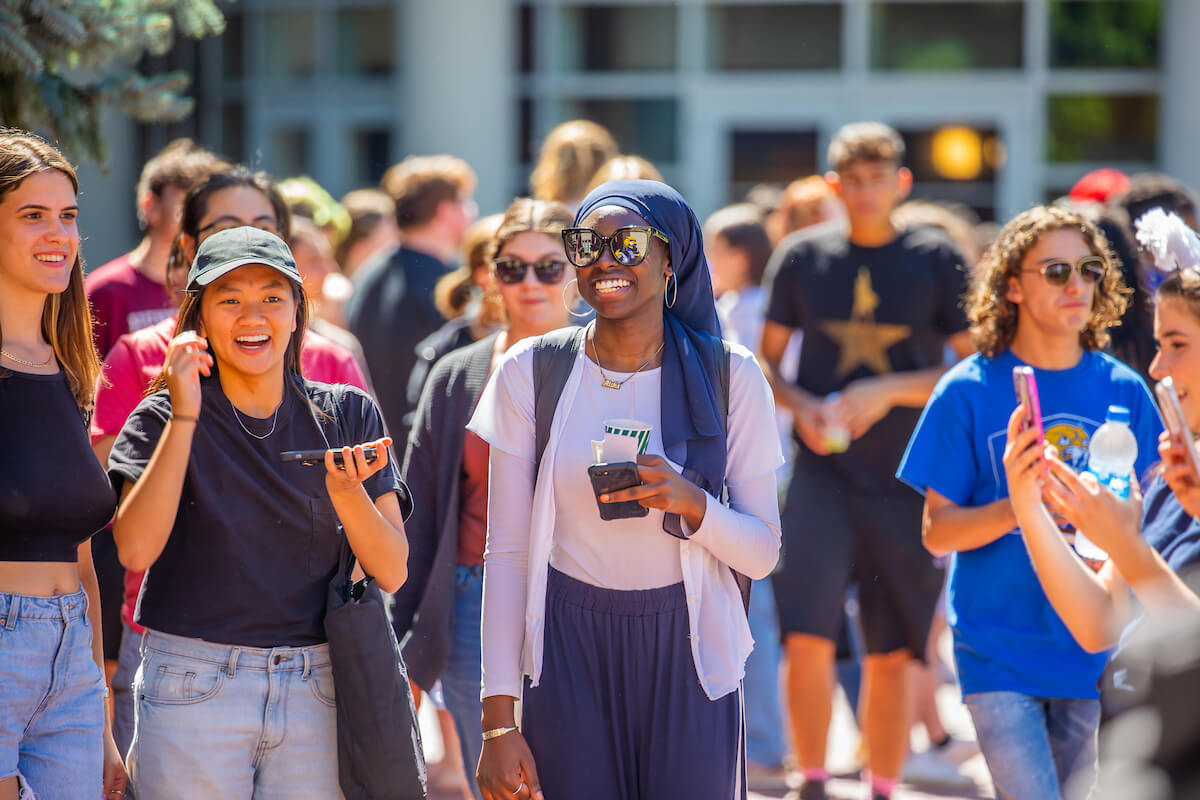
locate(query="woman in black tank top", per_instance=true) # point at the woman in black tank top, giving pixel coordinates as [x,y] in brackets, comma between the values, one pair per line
[54,736]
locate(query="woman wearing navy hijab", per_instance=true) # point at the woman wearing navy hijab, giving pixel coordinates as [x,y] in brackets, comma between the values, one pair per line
[626,639]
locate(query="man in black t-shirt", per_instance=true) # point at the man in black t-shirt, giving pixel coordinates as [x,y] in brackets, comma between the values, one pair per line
[877,307]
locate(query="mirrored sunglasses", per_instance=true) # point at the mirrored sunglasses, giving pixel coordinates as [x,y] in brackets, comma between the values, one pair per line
[628,246]
[1058,272]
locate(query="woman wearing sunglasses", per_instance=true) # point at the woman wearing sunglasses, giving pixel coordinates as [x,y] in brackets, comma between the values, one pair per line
[440,603]
[626,640]
[1044,296]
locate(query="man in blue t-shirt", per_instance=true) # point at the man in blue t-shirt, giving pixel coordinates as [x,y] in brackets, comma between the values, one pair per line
[1044,296]
[877,307]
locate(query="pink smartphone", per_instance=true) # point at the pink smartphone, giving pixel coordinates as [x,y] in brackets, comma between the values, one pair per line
[1027,394]
[1168,401]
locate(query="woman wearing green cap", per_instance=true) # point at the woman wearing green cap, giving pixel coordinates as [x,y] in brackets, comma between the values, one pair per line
[235,694]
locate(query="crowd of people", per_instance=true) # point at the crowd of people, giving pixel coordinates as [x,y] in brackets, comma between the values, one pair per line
[831,475]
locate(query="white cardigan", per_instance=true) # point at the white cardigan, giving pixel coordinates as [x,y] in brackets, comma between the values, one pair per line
[521,516]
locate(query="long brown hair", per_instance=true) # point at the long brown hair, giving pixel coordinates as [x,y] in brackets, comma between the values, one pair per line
[994,317]
[66,317]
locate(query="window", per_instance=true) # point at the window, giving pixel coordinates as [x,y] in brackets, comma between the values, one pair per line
[1082,128]
[233,45]
[365,42]
[371,154]
[956,164]
[233,132]
[526,146]
[777,157]
[619,38]
[641,127]
[290,152]
[291,43]
[774,36]
[1112,34]
[526,43]
[942,36]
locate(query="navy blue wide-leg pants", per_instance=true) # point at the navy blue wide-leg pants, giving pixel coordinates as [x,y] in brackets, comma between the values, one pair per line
[619,713]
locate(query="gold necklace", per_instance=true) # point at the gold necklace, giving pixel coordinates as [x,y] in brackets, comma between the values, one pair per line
[11,357]
[609,383]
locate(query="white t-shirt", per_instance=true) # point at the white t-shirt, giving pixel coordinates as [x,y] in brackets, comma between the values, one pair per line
[524,519]
[617,554]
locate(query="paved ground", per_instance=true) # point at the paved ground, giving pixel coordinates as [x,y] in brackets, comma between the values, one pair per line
[842,759]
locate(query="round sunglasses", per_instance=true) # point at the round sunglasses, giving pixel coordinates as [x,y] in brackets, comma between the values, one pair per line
[628,246]
[511,270]
[1058,272]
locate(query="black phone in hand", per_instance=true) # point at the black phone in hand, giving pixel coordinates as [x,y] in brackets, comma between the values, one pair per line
[313,457]
[611,477]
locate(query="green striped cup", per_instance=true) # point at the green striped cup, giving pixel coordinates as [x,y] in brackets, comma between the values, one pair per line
[638,431]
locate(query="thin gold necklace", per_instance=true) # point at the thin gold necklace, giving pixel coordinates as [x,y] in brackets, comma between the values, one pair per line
[11,357]
[609,383]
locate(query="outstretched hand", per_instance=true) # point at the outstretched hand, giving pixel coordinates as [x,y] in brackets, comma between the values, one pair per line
[355,468]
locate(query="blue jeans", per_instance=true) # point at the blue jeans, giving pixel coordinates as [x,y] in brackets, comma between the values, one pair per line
[760,688]
[1032,745]
[216,720]
[51,696]
[462,679]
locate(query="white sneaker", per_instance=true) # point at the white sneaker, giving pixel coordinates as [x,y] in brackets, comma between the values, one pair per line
[932,769]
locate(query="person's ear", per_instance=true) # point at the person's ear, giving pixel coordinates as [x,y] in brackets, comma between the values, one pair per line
[148,206]
[187,248]
[904,182]
[1014,293]
[834,182]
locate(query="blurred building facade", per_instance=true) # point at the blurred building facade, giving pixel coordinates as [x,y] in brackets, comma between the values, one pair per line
[1003,103]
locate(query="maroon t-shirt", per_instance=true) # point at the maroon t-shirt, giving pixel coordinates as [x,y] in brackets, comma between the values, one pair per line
[472,504]
[123,300]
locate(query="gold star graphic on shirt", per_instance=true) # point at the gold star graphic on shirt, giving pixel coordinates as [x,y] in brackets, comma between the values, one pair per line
[863,341]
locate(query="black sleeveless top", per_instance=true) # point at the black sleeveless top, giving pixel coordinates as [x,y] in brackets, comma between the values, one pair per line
[53,492]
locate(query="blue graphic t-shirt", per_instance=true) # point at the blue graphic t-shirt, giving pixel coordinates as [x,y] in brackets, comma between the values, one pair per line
[1007,636]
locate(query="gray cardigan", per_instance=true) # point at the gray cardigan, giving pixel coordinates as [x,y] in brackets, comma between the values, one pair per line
[424,607]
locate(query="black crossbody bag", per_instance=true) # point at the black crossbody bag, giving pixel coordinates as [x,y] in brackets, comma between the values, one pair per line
[380,756]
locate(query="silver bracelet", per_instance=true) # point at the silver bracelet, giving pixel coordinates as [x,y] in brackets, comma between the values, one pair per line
[496,732]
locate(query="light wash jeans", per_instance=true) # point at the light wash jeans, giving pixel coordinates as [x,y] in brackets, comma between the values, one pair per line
[760,688]
[243,723]
[1034,745]
[464,673]
[51,697]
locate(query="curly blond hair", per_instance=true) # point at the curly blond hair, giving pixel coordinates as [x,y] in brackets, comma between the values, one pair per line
[994,317]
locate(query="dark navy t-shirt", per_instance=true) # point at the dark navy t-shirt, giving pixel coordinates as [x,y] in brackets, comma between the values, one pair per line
[867,311]
[256,540]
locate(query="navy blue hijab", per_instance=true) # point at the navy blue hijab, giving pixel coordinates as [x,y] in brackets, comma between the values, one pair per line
[690,382]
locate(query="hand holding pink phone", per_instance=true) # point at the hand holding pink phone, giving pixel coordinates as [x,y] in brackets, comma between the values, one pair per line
[1027,394]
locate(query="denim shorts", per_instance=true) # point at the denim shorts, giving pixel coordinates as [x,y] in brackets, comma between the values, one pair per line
[51,696]
[217,720]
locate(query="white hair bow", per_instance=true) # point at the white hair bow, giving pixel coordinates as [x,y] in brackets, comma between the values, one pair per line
[1168,239]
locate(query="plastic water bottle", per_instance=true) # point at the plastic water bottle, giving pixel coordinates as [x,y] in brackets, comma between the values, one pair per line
[1111,455]
[836,435]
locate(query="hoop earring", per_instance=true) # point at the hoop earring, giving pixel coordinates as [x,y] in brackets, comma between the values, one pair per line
[674,294]
[569,307]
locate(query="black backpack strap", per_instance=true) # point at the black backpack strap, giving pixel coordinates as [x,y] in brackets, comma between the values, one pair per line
[553,358]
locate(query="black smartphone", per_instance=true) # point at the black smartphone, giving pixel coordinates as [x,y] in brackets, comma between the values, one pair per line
[610,478]
[312,457]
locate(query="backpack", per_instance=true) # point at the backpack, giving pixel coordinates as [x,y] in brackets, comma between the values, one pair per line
[553,358]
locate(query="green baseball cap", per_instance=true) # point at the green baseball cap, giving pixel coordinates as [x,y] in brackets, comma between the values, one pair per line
[226,250]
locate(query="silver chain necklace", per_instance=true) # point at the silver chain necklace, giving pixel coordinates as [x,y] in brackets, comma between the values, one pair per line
[274,419]
[11,357]
[609,383]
